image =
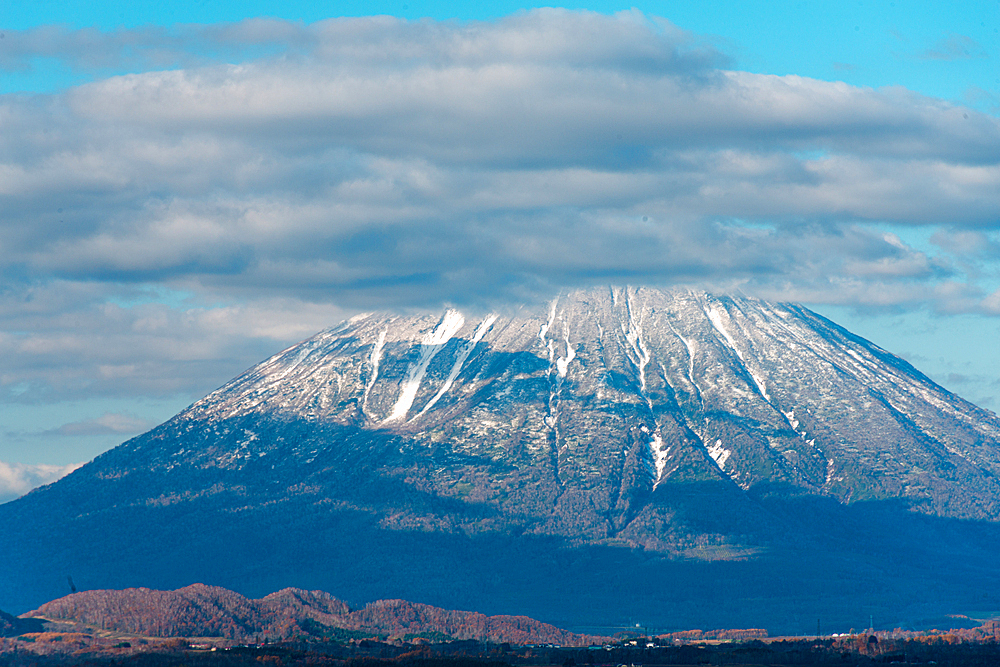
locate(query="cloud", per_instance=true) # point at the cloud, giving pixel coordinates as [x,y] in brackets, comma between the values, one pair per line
[106,424]
[71,340]
[16,479]
[991,304]
[278,172]
[97,53]
[955,47]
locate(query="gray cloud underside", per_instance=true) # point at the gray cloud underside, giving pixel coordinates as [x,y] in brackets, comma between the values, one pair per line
[369,163]
[465,159]
[64,340]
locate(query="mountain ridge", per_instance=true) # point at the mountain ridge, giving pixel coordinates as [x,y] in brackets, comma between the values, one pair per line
[211,611]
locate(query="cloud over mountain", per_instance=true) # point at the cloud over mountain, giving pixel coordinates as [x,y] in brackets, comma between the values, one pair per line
[473,160]
[268,166]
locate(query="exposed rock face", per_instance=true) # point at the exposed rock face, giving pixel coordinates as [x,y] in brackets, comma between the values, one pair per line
[554,457]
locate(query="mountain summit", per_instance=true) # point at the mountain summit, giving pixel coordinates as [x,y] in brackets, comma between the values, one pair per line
[621,453]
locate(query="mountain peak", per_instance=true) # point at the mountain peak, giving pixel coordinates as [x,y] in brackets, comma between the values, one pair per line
[704,385]
[478,461]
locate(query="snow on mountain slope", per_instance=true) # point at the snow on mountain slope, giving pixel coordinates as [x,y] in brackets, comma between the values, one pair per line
[640,383]
[546,462]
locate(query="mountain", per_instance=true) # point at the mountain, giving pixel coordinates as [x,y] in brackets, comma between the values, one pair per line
[210,611]
[623,455]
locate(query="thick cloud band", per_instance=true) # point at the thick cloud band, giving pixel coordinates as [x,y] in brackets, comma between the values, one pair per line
[370,163]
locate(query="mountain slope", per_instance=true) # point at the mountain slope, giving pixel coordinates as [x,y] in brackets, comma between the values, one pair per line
[622,452]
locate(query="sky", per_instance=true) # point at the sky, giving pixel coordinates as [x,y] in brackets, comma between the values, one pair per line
[189,187]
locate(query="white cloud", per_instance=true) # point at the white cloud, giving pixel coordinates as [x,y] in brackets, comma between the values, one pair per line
[16,479]
[66,341]
[311,171]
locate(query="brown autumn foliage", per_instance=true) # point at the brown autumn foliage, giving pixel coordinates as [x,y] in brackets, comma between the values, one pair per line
[722,634]
[210,611]
[399,617]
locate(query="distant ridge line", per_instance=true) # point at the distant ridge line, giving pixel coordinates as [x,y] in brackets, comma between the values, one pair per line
[199,610]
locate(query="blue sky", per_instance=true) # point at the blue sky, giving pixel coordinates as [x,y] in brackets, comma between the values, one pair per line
[189,187]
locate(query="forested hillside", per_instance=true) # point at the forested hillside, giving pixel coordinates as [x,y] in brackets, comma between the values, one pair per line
[210,611]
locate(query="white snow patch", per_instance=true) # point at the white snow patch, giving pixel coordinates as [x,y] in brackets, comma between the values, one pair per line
[719,454]
[481,330]
[430,346]
[374,359]
[562,364]
[543,332]
[660,454]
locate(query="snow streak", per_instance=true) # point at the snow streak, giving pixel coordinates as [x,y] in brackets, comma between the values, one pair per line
[562,363]
[719,454]
[689,346]
[374,359]
[659,456]
[640,357]
[481,330]
[633,334]
[430,346]
[543,332]
[716,318]
[559,364]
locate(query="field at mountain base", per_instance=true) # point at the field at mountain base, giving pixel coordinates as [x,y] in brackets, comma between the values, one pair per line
[622,456]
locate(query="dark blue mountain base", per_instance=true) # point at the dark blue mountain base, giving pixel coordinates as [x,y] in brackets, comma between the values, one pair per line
[808,557]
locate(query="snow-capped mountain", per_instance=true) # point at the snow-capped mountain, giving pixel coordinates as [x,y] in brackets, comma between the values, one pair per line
[527,458]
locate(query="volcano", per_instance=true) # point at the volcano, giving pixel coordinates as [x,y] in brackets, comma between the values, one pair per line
[670,458]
